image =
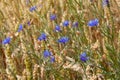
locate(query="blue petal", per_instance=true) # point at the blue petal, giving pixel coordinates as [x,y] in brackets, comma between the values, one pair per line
[94,22]
[47,53]
[20,27]
[28,23]
[6,41]
[52,17]
[105,3]
[43,36]
[52,59]
[66,23]
[57,28]
[83,57]
[83,54]
[33,8]
[75,24]
[63,40]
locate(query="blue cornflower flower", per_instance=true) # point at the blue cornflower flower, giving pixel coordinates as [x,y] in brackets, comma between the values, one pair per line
[28,23]
[52,59]
[52,17]
[75,24]
[33,8]
[63,40]
[83,57]
[57,28]
[105,3]
[20,27]
[6,40]
[43,36]
[94,22]
[66,23]
[47,53]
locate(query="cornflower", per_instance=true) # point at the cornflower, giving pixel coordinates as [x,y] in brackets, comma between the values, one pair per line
[93,22]
[83,57]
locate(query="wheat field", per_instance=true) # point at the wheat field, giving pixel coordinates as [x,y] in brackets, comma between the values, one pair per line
[59,39]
